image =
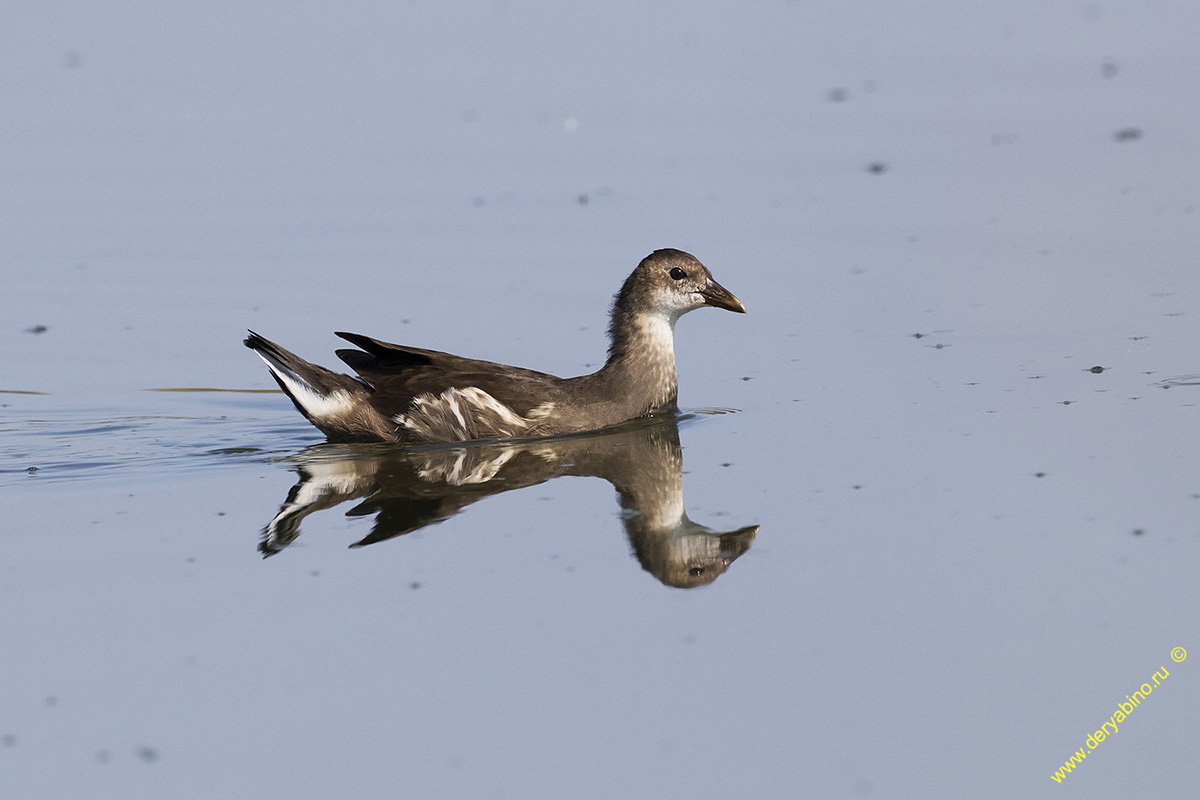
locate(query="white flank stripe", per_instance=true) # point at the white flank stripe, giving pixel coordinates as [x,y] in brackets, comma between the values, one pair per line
[484,401]
[460,468]
[458,414]
[452,402]
[542,411]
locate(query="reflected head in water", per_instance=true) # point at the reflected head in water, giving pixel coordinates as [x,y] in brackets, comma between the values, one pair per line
[408,489]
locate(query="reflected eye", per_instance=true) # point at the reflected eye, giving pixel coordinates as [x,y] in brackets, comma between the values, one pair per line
[678,274]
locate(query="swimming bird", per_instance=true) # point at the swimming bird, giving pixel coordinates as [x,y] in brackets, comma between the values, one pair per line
[408,394]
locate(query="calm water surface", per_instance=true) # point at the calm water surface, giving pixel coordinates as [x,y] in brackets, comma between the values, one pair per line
[944,527]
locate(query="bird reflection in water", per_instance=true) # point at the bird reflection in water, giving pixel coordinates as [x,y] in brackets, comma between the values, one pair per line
[409,489]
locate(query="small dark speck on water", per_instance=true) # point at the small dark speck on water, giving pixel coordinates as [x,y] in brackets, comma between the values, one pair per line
[746,377]
[918,336]
[31,470]
[103,756]
[726,464]
[1108,69]
[415,585]
[1128,134]
[315,573]
[1039,474]
[582,199]
[1096,369]
[1138,531]
[1066,402]
[856,486]
[477,202]
[36,329]
[838,95]
[147,754]
[50,702]
[8,740]
[877,168]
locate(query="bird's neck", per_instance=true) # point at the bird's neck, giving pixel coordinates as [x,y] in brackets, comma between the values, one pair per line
[641,359]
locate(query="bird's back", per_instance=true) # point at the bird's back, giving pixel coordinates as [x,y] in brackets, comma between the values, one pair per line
[443,397]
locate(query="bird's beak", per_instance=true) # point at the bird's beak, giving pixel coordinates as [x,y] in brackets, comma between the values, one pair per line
[734,543]
[717,295]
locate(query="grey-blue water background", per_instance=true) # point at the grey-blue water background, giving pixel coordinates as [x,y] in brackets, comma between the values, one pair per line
[973,546]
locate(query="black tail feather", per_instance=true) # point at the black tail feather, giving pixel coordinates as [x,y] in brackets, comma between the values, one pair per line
[386,355]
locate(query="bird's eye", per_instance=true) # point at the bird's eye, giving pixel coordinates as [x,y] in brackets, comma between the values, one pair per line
[678,274]
[696,572]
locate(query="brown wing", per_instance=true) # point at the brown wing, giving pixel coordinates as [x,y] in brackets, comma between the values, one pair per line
[397,373]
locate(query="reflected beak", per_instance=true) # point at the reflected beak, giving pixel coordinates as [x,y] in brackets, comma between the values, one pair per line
[734,543]
[717,295]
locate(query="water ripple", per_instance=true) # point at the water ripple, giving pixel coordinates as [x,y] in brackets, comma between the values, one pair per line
[81,444]
[47,443]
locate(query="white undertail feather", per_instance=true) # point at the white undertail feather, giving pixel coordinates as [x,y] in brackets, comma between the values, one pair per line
[332,481]
[334,477]
[316,405]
